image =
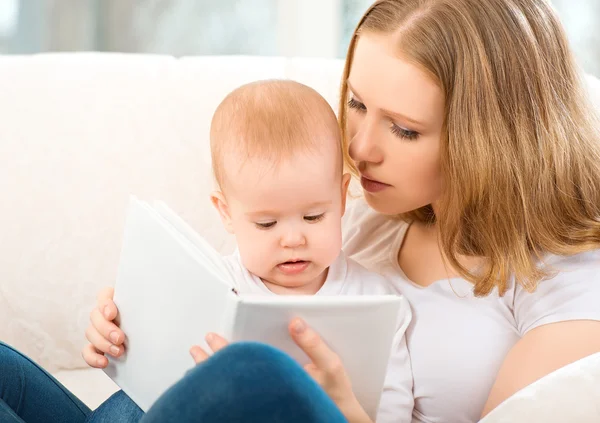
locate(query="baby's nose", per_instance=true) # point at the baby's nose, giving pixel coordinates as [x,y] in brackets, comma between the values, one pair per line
[293,239]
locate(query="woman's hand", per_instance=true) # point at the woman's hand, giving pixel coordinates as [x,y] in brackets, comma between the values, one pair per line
[325,368]
[104,335]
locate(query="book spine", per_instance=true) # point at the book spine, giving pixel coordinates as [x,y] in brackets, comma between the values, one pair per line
[229,315]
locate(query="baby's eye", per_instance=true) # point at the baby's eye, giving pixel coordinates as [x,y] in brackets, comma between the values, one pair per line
[265,225]
[314,218]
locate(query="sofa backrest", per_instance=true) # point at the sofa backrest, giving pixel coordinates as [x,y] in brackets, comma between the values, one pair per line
[81,132]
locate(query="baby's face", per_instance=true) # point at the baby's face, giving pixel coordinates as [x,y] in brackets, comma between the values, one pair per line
[287,218]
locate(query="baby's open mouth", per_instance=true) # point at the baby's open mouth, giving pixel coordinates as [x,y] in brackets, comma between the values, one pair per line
[293,267]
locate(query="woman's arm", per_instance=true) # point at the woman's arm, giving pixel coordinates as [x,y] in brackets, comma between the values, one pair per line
[540,352]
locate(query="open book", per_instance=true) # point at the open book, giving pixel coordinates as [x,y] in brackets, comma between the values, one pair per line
[172,289]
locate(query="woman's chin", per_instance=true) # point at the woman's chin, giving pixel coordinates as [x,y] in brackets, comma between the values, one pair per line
[386,205]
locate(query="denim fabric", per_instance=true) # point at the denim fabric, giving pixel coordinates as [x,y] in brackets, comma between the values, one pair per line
[245,382]
[31,395]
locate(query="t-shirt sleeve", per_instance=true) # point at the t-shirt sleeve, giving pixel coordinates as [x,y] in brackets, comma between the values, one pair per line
[367,235]
[357,211]
[572,293]
[397,401]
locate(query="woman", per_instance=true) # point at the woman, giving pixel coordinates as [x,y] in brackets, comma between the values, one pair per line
[467,119]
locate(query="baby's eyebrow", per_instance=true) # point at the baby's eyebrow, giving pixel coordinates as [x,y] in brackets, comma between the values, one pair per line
[260,213]
[319,204]
[275,213]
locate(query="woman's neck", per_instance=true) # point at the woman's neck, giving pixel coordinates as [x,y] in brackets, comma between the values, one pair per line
[421,257]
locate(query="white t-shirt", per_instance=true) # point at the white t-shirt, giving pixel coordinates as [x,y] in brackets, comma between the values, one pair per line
[346,277]
[457,342]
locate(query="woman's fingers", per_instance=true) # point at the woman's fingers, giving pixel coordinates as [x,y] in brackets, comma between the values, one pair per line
[311,343]
[315,373]
[93,357]
[327,370]
[106,328]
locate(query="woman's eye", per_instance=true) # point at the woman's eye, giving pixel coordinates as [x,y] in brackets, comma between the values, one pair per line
[265,225]
[356,105]
[314,218]
[403,133]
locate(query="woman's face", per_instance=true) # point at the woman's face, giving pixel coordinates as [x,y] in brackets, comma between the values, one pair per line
[395,119]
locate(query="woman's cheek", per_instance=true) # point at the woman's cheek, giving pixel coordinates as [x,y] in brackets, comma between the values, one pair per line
[351,125]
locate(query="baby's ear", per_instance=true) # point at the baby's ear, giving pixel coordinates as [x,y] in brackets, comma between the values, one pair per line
[345,183]
[218,200]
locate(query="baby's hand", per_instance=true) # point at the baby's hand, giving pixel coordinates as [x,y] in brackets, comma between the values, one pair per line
[104,335]
[214,341]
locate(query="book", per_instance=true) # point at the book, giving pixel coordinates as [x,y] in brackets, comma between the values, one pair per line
[172,289]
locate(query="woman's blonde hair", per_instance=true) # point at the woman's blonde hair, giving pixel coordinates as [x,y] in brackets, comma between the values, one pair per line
[520,152]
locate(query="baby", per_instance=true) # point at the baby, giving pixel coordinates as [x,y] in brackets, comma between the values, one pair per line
[277,160]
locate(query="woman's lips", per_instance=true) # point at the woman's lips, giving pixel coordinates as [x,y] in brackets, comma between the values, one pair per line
[372,185]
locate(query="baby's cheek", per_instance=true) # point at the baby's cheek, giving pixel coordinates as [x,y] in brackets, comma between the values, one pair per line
[330,242]
[253,259]
[253,252]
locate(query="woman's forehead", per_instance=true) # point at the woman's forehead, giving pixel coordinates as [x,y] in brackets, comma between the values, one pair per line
[381,78]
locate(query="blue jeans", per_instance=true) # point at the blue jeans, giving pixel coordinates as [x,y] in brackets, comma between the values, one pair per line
[29,394]
[245,382]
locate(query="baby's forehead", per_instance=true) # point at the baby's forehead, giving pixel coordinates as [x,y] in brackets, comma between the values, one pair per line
[322,149]
[320,162]
[299,180]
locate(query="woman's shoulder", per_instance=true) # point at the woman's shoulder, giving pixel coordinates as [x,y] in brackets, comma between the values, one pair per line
[369,237]
[573,269]
[588,260]
[570,292]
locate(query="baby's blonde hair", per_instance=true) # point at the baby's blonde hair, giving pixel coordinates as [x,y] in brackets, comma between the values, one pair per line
[520,152]
[272,120]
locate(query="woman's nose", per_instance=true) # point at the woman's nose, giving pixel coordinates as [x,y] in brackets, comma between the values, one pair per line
[363,145]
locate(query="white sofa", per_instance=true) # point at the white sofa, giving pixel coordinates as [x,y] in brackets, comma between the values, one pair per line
[78,134]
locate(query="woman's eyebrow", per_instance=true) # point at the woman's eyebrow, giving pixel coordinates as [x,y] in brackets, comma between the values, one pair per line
[396,115]
[403,117]
[352,88]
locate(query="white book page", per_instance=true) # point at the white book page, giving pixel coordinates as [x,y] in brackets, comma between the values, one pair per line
[211,257]
[168,300]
